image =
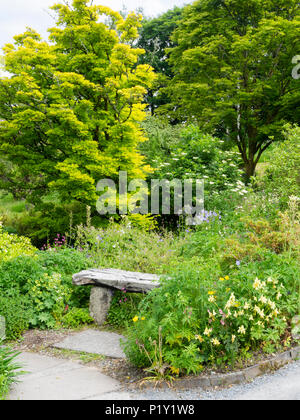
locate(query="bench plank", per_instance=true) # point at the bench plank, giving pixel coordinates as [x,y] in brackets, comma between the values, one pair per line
[117,279]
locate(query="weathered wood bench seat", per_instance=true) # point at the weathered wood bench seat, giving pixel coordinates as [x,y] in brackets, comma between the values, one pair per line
[106,281]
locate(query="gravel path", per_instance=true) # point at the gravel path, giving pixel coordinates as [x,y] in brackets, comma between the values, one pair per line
[281,385]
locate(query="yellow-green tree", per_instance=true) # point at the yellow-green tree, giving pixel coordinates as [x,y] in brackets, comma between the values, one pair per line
[71,108]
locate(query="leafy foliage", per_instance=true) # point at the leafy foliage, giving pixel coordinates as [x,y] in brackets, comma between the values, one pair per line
[155,38]
[77,317]
[16,311]
[211,321]
[70,110]
[283,181]
[186,153]
[49,298]
[9,370]
[221,306]
[128,247]
[34,294]
[12,246]
[123,308]
[233,71]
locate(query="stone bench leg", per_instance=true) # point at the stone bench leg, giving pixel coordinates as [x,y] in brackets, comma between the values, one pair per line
[100,301]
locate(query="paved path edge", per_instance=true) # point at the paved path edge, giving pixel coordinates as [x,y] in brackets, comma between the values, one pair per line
[241,377]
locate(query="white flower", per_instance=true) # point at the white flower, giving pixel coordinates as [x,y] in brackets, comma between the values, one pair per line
[257,284]
[263,299]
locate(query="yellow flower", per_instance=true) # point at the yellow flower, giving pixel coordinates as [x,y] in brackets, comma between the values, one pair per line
[221,279]
[226,277]
[212,314]
[135,319]
[215,342]
[143,318]
[207,331]
[175,370]
[233,337]
[198,337]
[212,292]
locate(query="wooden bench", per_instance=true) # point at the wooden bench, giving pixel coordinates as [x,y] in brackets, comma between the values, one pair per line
[106,281]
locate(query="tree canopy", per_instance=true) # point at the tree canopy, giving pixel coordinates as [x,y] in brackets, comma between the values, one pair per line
[70,111]
[233,71]
[155,37]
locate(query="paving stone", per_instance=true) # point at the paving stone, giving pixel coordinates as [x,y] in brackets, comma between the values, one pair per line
[50,378]
[94,341]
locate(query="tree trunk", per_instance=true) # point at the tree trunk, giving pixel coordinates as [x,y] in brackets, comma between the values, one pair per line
[250,167]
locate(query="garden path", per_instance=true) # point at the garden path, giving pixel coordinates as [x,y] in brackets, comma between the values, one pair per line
[55,379]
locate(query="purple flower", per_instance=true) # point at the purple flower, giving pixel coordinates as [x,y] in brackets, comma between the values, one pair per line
[238,263]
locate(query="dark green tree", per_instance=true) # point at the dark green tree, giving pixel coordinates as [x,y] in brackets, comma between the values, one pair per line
[233,71]
[155,39]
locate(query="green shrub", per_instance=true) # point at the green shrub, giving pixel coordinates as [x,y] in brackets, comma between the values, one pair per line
[77,317]
[123,308]
[282,177]
[187,153]
[49,298]
[35,280]
[66,262]
[197,318]
[215,310]
[16,273]
[17,314]
[12,246]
